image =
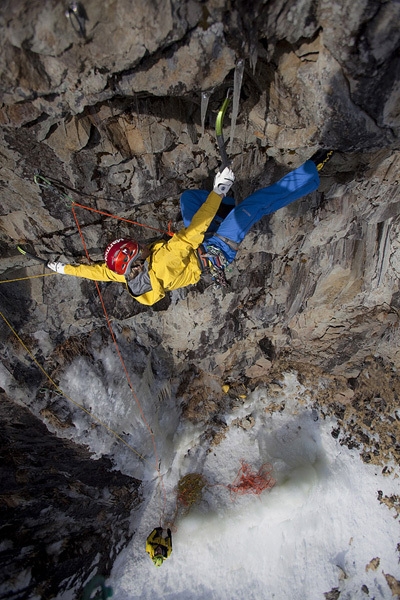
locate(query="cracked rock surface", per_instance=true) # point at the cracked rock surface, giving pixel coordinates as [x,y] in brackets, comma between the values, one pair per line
[113,111]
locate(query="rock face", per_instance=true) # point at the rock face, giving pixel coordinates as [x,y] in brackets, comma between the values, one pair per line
[109,100]
[58,506]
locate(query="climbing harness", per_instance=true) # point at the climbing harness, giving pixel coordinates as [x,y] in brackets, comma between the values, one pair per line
[213,262]
[217,263]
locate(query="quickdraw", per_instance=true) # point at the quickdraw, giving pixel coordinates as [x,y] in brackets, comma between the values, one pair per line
[216,263]
[56,186]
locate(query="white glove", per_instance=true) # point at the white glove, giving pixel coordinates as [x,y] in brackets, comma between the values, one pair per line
[56,266]
[223,181]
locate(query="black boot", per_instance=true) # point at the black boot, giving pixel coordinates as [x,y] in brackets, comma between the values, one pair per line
[321,157]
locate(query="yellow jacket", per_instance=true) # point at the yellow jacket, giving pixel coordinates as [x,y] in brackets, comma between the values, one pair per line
[172,264]
[155,539]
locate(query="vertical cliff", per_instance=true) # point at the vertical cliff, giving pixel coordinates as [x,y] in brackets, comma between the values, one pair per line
[108,99]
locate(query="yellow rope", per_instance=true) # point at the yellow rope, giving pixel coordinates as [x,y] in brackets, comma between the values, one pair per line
[30,277]
[59,390]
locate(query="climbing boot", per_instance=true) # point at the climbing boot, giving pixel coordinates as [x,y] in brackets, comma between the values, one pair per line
[321,157]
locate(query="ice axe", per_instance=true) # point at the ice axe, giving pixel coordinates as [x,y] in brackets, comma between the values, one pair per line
[218,130]
[31,255]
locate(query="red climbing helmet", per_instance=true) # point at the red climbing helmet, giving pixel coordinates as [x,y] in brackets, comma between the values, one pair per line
[120,254]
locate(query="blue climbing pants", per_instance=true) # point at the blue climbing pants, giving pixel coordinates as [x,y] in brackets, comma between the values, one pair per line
[236,225]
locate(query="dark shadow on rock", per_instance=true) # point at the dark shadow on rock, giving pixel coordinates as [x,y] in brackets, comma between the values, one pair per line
[15,301]
[61,513]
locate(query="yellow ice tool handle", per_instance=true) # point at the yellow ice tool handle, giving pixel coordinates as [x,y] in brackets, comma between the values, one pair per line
[219,134]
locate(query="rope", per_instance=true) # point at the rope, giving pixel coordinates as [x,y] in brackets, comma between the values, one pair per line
[51,185]
[59,391]
[29,277]
[106,214]
[46,182]
[124,365]
[252,482]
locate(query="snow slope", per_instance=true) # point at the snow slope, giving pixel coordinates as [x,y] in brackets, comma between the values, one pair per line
[316,531]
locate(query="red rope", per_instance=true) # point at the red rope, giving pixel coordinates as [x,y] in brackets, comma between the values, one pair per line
[248,481]
[121,358]
[106,214]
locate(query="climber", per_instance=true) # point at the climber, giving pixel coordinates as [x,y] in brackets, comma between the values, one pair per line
[158,547]
[205,242]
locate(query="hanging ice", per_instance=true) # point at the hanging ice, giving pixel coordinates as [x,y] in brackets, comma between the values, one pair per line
[205,97]
[253,56]
[237,86]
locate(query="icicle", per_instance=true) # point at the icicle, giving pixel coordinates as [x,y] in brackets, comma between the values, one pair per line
[237,86]
[205,97]
[165,392]
[147,383]
[253,56]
